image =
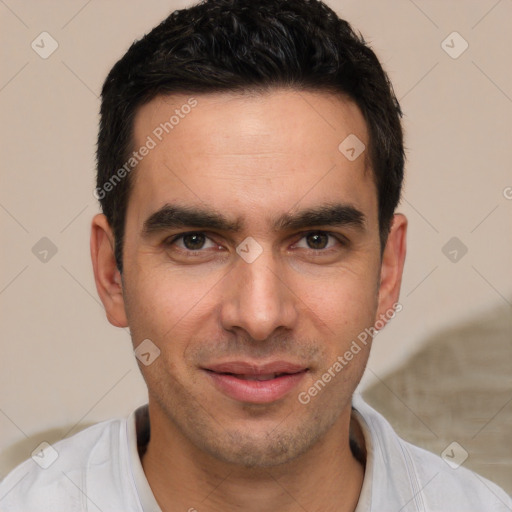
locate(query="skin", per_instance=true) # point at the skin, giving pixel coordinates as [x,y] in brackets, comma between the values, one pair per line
[253,158]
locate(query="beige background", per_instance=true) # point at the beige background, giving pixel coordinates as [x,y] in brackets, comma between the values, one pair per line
[64,367]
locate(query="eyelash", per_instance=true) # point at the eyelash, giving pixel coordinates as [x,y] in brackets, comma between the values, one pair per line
[338,237]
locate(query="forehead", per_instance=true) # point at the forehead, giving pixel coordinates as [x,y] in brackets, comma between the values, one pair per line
[255,152]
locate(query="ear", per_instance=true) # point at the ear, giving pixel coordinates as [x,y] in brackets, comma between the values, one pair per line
[107,276]
[392,266]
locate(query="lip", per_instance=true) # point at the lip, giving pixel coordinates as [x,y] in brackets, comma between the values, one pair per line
[227,378]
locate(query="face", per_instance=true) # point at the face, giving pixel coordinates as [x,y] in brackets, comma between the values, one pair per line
[252,262]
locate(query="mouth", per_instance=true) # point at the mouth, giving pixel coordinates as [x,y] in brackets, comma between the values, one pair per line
[260,378]
[255,383]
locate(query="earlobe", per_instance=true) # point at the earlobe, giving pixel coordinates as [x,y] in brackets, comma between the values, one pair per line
[392,265]
[106,274]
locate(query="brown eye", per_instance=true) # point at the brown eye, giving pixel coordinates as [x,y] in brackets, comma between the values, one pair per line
[321,243]
[317,240]
[193,241]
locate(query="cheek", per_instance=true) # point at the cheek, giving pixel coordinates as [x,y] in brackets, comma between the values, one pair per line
[165,304]
[342,302]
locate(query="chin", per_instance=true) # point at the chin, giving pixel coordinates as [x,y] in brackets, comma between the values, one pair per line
[263,450]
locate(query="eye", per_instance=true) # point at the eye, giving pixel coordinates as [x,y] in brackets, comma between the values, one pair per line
[192,241]
[318,241]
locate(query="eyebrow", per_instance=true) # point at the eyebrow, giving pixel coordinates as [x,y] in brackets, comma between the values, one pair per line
[174,216]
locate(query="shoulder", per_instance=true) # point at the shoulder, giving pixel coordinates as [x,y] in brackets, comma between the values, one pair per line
[55,477]
[419,480]
[447,485]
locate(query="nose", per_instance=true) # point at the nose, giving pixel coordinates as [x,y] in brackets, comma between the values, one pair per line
[257,298]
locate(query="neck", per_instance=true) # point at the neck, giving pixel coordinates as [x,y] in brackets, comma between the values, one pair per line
[326,478]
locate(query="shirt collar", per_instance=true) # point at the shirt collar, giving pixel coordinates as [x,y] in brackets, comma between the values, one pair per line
[138,437]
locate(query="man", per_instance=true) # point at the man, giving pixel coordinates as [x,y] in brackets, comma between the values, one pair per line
[250,161]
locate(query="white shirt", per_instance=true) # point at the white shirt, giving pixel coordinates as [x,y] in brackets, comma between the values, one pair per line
[99,469]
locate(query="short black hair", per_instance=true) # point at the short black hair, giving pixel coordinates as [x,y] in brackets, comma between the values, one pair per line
[247,45]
